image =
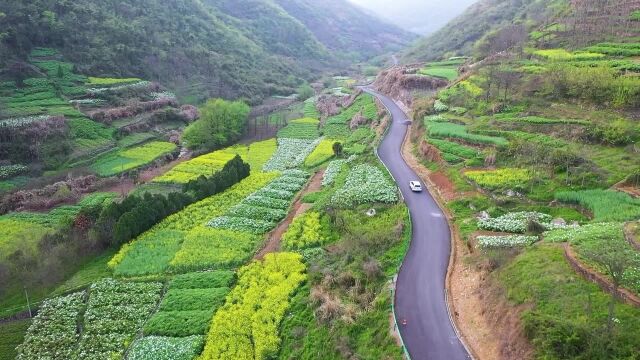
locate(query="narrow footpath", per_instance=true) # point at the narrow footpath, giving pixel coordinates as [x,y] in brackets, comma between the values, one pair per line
[420,302]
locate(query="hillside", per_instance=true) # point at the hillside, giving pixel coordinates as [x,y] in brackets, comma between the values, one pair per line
[459,36]
[530,137]
[198,48]
[191,263]
[345,29]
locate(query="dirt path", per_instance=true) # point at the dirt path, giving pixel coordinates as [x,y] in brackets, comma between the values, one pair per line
[273,238]
[631,238]
[598,278]
[126,185]
[150,174]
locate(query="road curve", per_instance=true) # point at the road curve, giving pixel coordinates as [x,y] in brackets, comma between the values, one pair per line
[420,289]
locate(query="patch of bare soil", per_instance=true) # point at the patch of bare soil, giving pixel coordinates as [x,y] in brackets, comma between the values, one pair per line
[152,173]
[633,191]
[601,280]
[298,208]
[488,324]
[401,81]
[123,187]
[632,234]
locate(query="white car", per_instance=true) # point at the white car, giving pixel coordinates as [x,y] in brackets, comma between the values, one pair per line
[415,186]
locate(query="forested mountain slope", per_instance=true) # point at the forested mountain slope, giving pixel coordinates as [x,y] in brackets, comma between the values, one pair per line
[559,23]
[459,35]
[220,48]
[345,29]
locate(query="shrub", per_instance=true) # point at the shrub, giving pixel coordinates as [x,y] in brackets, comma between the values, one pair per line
[129,159]
[439,106]
[221,122]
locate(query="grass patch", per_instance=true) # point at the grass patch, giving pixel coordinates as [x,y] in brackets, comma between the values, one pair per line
[447,73]
[568,315]
[92,271]
[606,205]
[306,128]
[564,55]
[12,335]
[255,154]
[500,178]
[111,81]
[616,49]
[456,131]
[322,153]
[124,160]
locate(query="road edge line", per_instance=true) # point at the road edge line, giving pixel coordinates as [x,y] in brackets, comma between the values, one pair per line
[453,258]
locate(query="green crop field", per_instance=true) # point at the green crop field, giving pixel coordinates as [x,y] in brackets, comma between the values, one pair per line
[447,73]
[129,159]
[306,128]
[456,131]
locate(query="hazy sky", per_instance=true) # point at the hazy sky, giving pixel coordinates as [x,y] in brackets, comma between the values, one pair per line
[421,16]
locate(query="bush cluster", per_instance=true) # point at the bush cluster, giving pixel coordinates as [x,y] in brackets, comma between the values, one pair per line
[121,222]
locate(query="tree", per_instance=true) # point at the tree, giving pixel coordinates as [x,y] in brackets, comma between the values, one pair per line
[337,148]
[616,259]
[305,91]
[221,123]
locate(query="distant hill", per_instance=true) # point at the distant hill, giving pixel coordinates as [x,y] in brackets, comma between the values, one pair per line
[552,23]
[205,48]
[421,17]
[346,30]
[459,35]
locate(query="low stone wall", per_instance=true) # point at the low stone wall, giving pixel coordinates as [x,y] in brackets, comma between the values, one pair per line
[597,278]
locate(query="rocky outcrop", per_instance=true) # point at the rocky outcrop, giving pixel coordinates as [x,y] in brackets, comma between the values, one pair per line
[401,82]
[330,105]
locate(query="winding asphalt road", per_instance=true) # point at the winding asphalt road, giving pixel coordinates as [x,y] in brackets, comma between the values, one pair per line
[420,289]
